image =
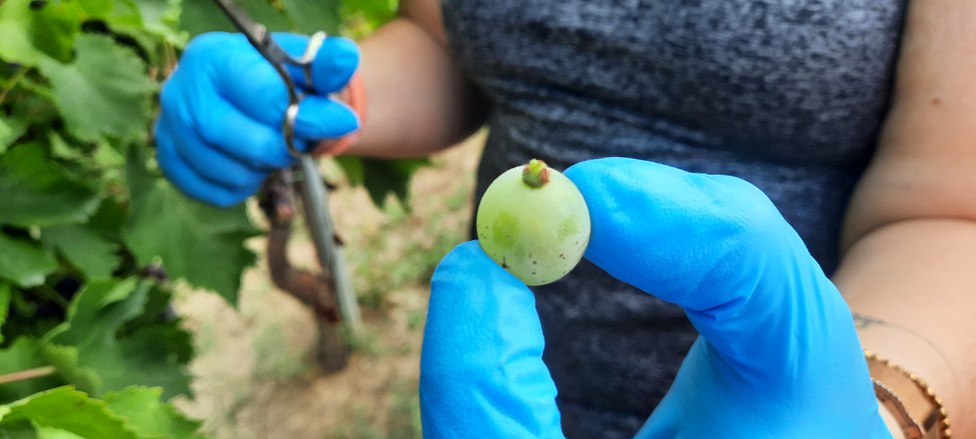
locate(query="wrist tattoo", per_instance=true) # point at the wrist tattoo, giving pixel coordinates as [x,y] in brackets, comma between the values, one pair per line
[864,321]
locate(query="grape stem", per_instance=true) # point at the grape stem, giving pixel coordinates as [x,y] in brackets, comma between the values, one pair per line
[535,174]
[28,374]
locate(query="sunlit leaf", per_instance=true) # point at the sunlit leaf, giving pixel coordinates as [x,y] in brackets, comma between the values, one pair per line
[103,92]
[150,417]
[24,262]
[87,417]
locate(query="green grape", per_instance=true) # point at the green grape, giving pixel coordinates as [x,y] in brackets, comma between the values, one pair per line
[533,221]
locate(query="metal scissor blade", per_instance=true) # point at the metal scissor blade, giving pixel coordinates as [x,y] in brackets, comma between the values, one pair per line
[319,223]
[256,33]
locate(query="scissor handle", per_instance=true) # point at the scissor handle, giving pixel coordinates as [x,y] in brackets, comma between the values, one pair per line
[295,98]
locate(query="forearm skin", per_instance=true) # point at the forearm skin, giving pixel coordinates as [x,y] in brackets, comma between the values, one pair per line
[418,102]
[912,288]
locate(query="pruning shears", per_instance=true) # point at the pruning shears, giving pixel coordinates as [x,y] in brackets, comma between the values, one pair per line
[312,190]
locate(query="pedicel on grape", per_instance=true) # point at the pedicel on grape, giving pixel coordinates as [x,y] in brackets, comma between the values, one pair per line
[533,221]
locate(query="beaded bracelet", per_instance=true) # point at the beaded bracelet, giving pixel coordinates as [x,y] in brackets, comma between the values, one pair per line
[919,411]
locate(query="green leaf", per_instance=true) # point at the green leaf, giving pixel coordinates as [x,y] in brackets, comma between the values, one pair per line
[21,355]
[36,192]
[385,177]
[5,295]
[18,430]
[61,149]
[16,22]
[56,433]
[24,262]
[375,12]
[65,360]
[310,16]
[197,242]
[104,92]
[11,128]
[151,418]
[33,32]
[201,16]
[67,409]
[143,357]
[159,17]
[109,219]
[54,27]
[84,247]
[97,9]
[353,168]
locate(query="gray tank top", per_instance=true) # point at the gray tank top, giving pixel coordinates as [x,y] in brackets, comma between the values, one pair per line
[787,94]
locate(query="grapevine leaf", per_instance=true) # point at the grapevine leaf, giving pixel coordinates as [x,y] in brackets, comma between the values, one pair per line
[19,430]
[24,262]
[385,177]
[150,417]
[65,360]
[353,168]
[16,22]
[310,16]
[56,433]
[108,219]
[11,128]
[160,17]
[104,92]
[143,357]
[376,12]
[54,27]
[92,254]
[61,149]
[35,31]
[36,192]
[201,16]
[67,409]
[97,9]
[197,242]
[6,136]
[5,295]
[21,355]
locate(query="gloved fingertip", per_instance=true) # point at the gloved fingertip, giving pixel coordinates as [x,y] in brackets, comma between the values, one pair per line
[335,63]
[324,118]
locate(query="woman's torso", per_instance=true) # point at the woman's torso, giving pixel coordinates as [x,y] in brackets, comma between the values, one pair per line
[787,94]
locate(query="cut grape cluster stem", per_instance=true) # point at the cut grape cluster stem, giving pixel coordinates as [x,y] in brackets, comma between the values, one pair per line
[535,174]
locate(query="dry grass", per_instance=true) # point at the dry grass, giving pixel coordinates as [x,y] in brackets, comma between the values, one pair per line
[254,378]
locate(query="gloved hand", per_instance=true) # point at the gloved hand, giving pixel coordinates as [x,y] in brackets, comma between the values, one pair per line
[778,355]
[219,134]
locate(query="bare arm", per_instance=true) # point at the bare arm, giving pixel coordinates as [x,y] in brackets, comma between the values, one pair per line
[909,269]
[418,102]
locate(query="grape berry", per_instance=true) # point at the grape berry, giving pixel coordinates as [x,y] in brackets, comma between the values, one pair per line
[533,221]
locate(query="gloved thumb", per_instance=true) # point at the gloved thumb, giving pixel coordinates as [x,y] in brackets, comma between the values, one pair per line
[481,369]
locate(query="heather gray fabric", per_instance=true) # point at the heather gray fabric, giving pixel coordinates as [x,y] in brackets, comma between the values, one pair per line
[787,94]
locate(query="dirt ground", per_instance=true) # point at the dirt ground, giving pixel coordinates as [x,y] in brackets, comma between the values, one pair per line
[254,375]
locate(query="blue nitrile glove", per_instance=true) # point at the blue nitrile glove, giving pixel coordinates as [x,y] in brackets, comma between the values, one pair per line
[219,133]
[778,355]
